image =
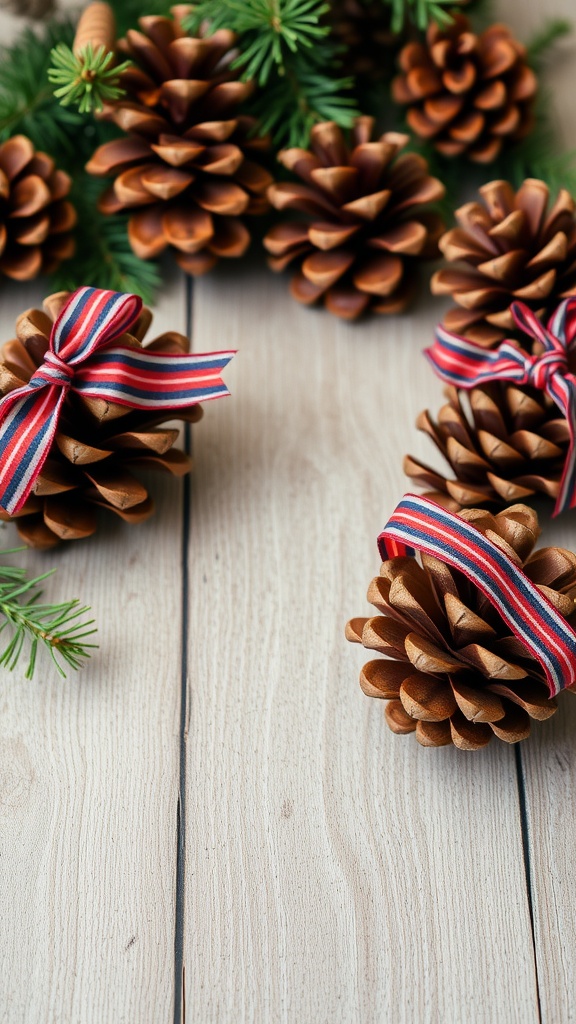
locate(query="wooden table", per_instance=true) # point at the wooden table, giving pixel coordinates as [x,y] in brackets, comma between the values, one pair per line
[211,822]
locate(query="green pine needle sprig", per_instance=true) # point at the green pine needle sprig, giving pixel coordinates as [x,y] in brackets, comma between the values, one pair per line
[61,629]
[87,80]
[420,13]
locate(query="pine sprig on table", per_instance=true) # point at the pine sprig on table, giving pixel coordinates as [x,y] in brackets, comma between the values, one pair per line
[60,628]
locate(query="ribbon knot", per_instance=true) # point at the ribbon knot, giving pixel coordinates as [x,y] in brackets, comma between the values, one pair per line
[53,371]
[542,368]
[466,365]
[81,358]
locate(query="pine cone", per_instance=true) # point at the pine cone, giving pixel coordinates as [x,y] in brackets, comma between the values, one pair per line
[503,443]
[456,674]
[98,443]
[366,224]
[185,165]
[465,93]
[36,219]
[512,246]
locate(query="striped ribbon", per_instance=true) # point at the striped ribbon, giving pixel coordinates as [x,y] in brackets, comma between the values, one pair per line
[80,358]
[465,364]
[421,524]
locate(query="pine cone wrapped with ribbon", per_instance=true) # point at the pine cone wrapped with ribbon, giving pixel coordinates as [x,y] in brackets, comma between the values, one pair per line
[85,404]
[189,167]
[478,635]
[508,430]
[468,94]
[364,222]
[511,246]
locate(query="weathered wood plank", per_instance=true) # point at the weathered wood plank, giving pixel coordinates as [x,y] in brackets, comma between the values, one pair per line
[334,872]
[89,776]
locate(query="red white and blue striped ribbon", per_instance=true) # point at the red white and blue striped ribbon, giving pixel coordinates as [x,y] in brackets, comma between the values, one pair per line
[81,358]
[465,364]
[421,524]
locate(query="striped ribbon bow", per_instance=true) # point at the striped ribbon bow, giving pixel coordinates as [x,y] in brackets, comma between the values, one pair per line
[466,365]
[421,524]
[80,358]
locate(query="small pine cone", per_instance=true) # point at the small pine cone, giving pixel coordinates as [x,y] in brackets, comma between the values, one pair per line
[512,246]
[185,166]
[36,218]
[457,675]
[465,93]
[98,443]
[503,443]
[366,220]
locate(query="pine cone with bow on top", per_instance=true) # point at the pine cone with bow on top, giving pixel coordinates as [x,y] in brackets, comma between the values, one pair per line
[188,169]
[511,246]
[467,94]
[364,225]
[98,444]
[453,673]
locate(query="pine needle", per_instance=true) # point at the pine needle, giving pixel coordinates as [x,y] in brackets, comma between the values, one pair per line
[61,629]
[86,81]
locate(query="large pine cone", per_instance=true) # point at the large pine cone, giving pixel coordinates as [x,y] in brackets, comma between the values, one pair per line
[457,675]
[503,443]
[35,217]
[98,443]
[366,225]
[467,93]
[512,246]
[184,166]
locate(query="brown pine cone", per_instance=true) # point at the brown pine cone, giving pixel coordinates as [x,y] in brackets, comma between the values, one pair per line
[36,218]
[185,166]
[503,443]
[467,93]
[98,442]
[512,246]
[366,223]
[456,674]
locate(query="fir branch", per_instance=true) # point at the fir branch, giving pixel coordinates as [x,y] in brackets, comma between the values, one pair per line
[270,30]
[61,628]
[420,13]
[27,102]
[540,46]
[88,80]
[103,257]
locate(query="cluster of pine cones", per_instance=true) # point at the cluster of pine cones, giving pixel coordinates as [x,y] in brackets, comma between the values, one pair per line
[192,172]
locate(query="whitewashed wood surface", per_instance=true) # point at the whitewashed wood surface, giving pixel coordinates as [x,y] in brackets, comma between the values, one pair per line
[211,823]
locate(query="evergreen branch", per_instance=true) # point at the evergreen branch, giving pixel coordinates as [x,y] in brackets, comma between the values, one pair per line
[27,103]
[60,628]
[297,100]
[420,13]
[269,30]
[539,47]
[88,80]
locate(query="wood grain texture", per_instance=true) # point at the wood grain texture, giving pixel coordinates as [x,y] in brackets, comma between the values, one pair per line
[549,757]
[89,777]
[335,872]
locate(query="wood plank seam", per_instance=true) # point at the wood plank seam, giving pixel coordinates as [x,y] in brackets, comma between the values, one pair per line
[179,919]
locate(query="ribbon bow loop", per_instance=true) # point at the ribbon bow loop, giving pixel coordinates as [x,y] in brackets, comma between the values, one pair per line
[465,364]
[81,358]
